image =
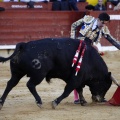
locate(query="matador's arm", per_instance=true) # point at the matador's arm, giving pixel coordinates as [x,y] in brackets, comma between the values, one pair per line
[74,26]
[110,38]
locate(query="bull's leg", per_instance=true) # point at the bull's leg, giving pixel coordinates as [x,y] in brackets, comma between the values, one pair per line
[68,89]
[31,84]
[11,83]
[82,99]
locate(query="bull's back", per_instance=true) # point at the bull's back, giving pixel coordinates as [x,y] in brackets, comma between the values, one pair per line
[59,48]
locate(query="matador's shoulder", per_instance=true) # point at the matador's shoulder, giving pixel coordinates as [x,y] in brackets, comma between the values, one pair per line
[88,19]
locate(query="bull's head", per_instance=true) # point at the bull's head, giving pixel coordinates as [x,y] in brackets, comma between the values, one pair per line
[99,88]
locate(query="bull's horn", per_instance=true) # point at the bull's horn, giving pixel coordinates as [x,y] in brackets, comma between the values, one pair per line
[115,81]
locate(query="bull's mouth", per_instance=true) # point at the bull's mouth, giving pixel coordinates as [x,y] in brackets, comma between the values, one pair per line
[98,98]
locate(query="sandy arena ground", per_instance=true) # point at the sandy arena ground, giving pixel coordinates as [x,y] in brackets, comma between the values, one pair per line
[20,104]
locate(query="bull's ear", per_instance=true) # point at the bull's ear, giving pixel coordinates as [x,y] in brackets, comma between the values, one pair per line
[108,76]
[109,73]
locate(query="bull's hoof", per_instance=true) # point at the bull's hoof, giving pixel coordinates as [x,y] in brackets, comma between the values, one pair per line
[54,104]
[83,102]
[1,105]
[39,104]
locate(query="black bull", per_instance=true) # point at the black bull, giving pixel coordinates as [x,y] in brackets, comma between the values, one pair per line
[52,58]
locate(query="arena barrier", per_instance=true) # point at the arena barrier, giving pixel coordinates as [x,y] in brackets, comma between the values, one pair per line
[23,24]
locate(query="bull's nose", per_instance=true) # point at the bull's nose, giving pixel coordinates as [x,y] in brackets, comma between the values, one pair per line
[96,98]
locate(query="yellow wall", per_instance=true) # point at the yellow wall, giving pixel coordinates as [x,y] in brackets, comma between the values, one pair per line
[93,2]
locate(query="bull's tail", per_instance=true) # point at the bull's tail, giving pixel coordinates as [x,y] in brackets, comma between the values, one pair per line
[18,49]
